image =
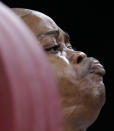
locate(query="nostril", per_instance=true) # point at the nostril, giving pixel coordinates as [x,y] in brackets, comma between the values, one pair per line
[79,59]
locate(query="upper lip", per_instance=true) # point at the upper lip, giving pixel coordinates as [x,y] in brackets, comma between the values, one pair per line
[96,67]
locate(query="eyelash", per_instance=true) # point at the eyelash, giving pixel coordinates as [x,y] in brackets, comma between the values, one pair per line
[53,49]
[70,47]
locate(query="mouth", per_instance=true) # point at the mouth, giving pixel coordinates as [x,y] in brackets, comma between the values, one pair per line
[97,68]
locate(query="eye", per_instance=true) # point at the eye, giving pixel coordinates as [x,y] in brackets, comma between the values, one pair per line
[69,46]
[53,49]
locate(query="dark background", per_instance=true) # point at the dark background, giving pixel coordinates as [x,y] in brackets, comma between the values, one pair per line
[90,26]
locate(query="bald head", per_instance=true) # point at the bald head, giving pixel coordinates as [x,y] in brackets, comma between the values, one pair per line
[37,21]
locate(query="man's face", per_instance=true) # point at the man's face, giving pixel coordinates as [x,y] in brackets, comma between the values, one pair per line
[80,78]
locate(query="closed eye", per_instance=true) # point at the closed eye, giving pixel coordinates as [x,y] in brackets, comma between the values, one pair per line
[53,49]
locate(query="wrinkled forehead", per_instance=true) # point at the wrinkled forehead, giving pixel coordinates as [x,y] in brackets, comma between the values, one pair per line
[37,21]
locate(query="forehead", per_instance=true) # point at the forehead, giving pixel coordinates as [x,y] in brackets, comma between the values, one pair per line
[45,21]
[37,21]
[46,24]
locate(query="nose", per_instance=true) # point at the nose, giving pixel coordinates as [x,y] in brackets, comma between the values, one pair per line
[78,57]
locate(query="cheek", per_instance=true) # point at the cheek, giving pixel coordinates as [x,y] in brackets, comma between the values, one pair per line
[70,94]
[63,56]
[66,79]
[58,62]
[61,67]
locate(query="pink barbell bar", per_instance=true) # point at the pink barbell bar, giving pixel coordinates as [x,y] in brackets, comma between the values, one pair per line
[29,99]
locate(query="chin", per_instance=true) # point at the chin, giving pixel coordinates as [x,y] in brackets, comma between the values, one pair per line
[88,110]
[94,90]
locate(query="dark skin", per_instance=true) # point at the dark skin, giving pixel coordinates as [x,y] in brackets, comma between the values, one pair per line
[80,78]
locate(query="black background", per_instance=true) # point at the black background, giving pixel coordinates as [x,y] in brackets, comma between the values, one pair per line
[90,26]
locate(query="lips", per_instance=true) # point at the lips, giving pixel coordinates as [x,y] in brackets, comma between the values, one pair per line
[97,68]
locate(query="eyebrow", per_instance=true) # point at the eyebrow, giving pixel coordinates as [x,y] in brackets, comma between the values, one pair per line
[53,32]
[49,33]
